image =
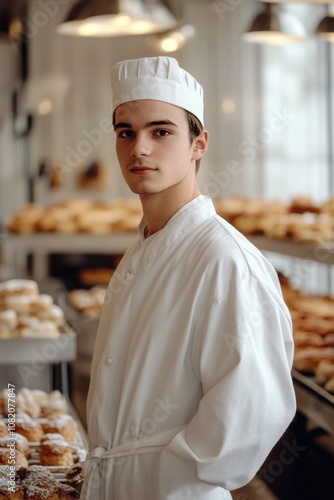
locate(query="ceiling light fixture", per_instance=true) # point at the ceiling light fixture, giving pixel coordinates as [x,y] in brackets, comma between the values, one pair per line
[174,39]
[103,18]
[274,26]
[325,28]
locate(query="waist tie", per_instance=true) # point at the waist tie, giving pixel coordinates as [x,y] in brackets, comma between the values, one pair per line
[91,467]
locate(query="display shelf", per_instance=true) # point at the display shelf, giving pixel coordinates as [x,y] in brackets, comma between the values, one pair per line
[33,350]
[314,402]
[17,246]
[59,242]
[41,245]
[322,252]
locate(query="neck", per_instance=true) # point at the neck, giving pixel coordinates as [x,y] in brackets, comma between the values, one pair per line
[159,208]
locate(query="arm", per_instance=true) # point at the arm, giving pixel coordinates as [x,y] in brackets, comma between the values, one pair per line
[243,354]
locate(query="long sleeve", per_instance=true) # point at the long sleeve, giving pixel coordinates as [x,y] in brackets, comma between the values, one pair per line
[242,355]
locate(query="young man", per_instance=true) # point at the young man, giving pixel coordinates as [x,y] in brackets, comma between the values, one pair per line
[191,384]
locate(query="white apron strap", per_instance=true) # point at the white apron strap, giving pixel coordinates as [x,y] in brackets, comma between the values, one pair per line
[92,464]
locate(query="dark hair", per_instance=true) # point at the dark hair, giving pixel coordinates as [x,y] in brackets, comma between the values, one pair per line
[195,129]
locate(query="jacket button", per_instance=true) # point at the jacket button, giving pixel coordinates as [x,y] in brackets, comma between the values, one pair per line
[109,361]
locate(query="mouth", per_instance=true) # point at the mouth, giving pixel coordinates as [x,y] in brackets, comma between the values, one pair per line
[142,170]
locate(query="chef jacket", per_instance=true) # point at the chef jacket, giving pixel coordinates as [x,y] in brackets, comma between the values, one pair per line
[191,368]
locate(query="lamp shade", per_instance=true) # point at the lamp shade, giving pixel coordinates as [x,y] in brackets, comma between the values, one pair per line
[275,27]
[325,28]
[103,18]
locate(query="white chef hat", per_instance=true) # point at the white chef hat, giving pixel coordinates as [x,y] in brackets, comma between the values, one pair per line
[159,78]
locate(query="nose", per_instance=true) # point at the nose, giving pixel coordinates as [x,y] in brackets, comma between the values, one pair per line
[140,146]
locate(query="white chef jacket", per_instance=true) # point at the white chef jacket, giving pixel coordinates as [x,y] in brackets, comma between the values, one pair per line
[194,348]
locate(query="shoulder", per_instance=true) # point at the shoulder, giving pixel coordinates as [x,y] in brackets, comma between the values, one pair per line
[228,259]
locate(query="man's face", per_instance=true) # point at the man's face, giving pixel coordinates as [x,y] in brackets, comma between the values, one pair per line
[153,147]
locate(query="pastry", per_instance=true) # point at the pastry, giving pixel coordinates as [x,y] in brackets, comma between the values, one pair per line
[18,287]
[4,403]
[24,472]
[21,443]
[27,403]
[56,405]
[3,429]
[53,313]
[18,303]
[40,486]
[308,359]
[54,450]
[307,339]
[74,477]
[17,493]
[61,424]
[329,386]
[67,492]
[40,303]
[324,371]
[31,429]
[41,329]
[13,457]
[41,397]
[302,204]
[8,319]
[93,177]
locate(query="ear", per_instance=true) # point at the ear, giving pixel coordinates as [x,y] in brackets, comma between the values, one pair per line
[200,145]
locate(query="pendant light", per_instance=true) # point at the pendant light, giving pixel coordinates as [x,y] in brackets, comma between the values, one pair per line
[274,26]
[174,39]
[325,28]
[103,18]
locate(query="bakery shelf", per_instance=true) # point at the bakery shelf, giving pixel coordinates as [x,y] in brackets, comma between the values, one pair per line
[16,246]
[322,252]
[314,402]
[38,351]
[59,242]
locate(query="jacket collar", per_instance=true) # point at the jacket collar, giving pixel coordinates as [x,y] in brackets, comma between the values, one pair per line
[184,221]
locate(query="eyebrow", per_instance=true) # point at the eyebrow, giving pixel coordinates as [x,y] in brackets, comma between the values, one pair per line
[147,125]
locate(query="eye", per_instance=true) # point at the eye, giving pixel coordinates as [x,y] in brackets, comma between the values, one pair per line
[161,133]
[126,133]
